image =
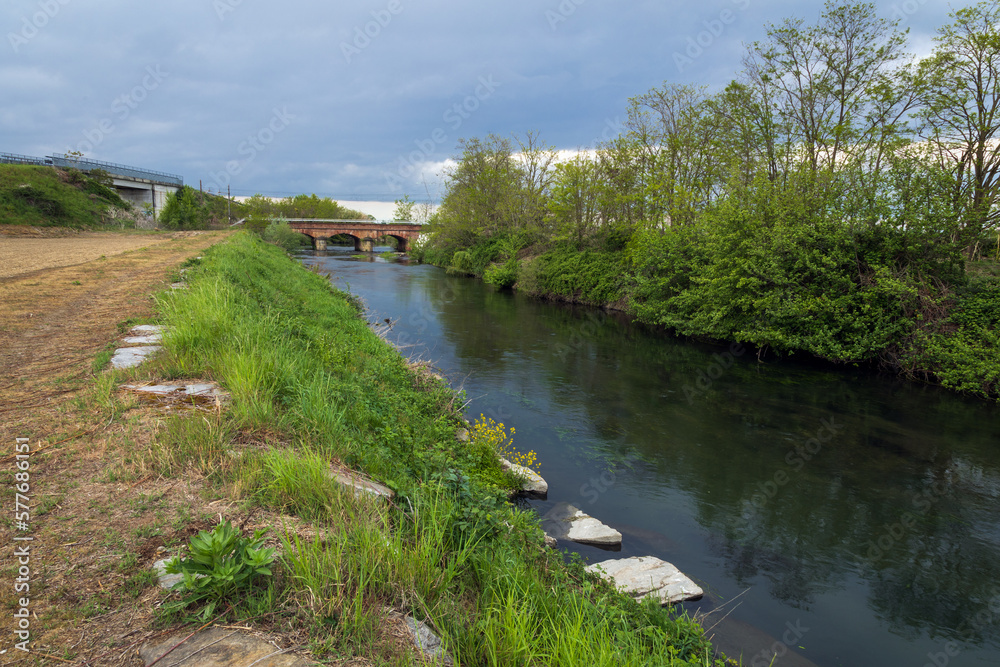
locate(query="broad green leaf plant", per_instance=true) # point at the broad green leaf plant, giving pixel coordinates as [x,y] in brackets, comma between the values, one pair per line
[219,564]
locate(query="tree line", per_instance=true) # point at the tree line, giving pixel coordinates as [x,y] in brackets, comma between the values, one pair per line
[835,197]
[191,209]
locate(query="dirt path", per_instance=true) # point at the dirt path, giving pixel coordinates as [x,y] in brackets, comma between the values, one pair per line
[53,322]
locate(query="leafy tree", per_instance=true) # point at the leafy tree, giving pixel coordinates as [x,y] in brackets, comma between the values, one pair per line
[676,169]
[313,206]
[259,212]
[575,199]
[961,114]
[825,93]
[183,211]
[404,209]
[536,163]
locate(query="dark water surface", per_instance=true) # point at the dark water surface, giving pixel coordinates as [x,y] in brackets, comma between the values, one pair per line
[837,517]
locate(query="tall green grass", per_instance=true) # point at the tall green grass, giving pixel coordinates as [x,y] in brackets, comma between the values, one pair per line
[311,383]
[43,196]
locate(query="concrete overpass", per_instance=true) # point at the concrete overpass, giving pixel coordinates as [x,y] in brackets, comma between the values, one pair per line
[134,185]
[365,233]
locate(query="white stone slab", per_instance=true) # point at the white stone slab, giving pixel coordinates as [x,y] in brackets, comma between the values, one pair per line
[361,485]
[217,647]
[640,576]
[533,482]
[148,339]
[181,390]
[565,522]
[127,357]
[167,581]
[428,642]
[141,329]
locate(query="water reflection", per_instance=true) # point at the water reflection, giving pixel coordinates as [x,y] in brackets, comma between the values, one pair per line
[864,506]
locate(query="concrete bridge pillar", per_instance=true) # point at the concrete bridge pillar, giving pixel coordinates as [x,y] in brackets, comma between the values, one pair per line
[364,245]
[319,244]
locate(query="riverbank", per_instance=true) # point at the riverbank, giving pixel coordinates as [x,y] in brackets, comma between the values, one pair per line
[725,466]
[312,385]
[918,327]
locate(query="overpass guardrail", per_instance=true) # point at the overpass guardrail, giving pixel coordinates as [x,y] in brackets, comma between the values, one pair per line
[89,165]
[116,169]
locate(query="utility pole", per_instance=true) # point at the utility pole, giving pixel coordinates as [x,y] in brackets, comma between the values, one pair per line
[229,203]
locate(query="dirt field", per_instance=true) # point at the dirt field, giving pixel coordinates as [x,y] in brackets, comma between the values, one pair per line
[89,600]
[25,254]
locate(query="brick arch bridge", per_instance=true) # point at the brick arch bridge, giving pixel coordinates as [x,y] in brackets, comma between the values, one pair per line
[365,233]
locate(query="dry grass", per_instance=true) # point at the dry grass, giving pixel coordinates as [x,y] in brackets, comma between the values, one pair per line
[96,526]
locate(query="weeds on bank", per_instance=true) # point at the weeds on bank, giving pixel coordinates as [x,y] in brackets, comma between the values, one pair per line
[311,385]
[492,438]
[218,565]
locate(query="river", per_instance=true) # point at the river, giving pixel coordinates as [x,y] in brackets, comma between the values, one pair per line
[833,517]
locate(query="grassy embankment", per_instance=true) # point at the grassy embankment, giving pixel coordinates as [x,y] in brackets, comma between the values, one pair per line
[790,294]
[48,197]
[311,384]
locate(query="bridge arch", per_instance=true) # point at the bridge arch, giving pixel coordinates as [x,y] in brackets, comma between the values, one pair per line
[320,240]
[365,233]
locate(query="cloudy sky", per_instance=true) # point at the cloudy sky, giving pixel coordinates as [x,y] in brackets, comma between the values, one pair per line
[362,100]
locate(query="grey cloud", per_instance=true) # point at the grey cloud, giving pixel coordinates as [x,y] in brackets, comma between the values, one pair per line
[566,69]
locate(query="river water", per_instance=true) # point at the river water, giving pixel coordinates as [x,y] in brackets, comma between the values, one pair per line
[833,517]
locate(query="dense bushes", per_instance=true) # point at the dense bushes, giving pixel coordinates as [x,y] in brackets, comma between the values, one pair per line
[962,351]
[595,277]
[190,209]
[280,233]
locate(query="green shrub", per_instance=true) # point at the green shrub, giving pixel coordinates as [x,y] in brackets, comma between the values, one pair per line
[183,211]
[502,275]
[589,276]
[280,233]
[963,352]
[220,564]
[31,196]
